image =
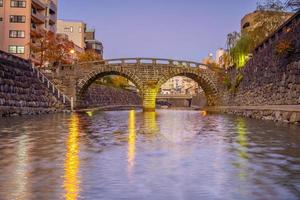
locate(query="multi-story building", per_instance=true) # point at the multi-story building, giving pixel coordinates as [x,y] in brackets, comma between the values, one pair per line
[249,22]
[180,85]
[92,43]
[18,18]
[78,33]
[75,30]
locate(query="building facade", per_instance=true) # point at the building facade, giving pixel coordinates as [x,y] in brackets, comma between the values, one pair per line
[75,30]
[180,85]
[78,33]
[92,43]
[18,18]
[249,22]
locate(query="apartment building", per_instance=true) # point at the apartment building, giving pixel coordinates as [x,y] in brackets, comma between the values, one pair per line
[92,43]
[78,33]
[18,18]
[75,30]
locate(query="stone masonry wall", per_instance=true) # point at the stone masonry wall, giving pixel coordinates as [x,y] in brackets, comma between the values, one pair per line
[22,93]
[99,96]
[270,78]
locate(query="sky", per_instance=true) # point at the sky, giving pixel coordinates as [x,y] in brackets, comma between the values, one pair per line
[174,29]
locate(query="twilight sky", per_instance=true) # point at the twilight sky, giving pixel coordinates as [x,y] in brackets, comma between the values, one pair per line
[177,29]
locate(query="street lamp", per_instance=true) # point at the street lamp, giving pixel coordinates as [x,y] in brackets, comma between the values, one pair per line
[72,52]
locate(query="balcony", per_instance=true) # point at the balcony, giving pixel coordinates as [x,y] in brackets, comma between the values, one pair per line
[37,4]
[52,8]
[52,19]
[37,17]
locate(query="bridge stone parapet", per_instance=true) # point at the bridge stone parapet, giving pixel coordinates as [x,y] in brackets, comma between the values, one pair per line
[147,74]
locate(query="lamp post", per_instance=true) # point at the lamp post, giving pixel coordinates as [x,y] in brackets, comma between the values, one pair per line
[72,52]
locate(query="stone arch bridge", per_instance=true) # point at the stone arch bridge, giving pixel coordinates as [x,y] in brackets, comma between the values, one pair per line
[148,75]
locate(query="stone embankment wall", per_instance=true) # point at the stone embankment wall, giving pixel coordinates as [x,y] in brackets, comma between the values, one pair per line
[270,77]
[100,95]
[21,92]
[199,100]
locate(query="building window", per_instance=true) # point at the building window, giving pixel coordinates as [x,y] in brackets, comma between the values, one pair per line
[80,30]
[1,3]
[17,19]
[17,4]
[246,25]
[71,29]
[16,49]
[16,34]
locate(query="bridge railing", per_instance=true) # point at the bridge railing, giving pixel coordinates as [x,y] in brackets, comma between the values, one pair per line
[51,86]
[152,61]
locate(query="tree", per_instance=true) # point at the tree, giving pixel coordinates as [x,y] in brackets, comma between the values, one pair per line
[59,51]
[48,47]
[293,5]
[39,45]
[270,5]
[88,56]
[268,17]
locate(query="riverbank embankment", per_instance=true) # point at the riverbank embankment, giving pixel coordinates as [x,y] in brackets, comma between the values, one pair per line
[278,113]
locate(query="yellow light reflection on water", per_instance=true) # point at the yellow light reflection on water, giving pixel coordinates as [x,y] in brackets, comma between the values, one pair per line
[242,149]
[131,140]
[149,123]
[242,137]
[71,182]
[203,113]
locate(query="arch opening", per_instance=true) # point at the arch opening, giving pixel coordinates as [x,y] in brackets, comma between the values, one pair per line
[181,91]
[206,86]
[110,88]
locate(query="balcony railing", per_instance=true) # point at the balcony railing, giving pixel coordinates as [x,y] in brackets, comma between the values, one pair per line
[38,5]
[37,17]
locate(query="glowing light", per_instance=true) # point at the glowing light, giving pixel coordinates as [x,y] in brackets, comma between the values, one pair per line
[203,113]
[89,113]
[150,125]
[131,140]
[72,51]
[149,99]
[242,150]
[71,182]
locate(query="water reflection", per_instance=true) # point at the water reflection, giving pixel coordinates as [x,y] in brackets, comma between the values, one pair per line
[150,123]
[131,141]
[21,171]
[242,163]
[134,155]
[71,180]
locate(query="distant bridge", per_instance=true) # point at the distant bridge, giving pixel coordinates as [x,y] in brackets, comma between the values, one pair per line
[148,75]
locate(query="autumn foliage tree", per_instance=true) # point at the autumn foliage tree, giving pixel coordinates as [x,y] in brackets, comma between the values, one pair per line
[89,56]
[47,47]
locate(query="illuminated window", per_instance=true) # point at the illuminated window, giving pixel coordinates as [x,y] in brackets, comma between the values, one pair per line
[17,4]
[16,34]
[17,19]
[16,49]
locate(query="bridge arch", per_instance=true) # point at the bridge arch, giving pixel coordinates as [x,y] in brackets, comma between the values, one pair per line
[206,80]
[84,83]
[148,75]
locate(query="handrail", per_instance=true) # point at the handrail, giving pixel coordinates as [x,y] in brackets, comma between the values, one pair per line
[154,61]
[6,57]
[51,86]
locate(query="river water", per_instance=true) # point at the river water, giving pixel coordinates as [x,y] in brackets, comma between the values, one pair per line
[132,155]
